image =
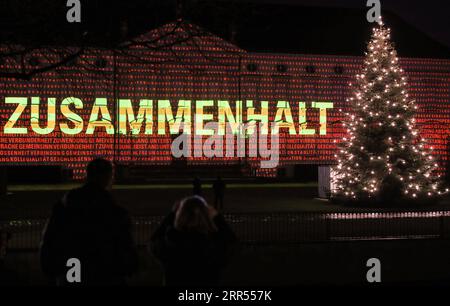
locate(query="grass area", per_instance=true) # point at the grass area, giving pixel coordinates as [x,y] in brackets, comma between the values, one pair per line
[157,199]
[50,187]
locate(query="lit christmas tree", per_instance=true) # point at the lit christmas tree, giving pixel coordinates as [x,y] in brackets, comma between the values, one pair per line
[383,157]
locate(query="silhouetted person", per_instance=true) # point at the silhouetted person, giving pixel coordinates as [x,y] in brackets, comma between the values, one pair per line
[197,186]
[4,239]
[88,225]
[3,181]
[219,191]
[7,275]
[193,244]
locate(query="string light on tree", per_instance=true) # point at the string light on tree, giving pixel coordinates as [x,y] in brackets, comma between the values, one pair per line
[388,157]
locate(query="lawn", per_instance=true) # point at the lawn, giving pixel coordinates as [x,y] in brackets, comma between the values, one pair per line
[53,187]
[36,201]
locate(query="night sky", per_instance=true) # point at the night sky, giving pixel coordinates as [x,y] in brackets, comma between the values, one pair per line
[430,16]
[43,21]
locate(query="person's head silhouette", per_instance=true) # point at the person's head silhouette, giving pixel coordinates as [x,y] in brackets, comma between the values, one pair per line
[100,173]
[194,215]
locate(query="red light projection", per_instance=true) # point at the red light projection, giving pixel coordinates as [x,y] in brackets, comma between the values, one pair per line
[169,64]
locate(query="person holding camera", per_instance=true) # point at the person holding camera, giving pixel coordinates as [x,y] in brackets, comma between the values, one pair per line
[193,244]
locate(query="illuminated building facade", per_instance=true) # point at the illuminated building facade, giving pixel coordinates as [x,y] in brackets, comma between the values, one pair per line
[122,103]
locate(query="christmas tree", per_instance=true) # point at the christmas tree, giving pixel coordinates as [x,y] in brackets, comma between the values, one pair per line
[383,156]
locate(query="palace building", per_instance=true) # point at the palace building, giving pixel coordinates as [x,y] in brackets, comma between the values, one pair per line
[107,102]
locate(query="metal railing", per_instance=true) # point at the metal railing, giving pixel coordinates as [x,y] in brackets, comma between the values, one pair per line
[284,228]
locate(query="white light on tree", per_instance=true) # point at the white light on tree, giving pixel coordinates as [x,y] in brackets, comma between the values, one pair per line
[383,154]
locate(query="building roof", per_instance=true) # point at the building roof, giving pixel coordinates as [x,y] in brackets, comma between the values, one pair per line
[318,30]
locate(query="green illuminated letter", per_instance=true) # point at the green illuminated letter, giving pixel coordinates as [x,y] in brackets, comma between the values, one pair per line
[263,117]
[283,108]
[9,126]
[100,106]
[302,120]
[51,116]
[200,117]
[183,116]
[74,118]
[225,113]
[323,114]
[144,114]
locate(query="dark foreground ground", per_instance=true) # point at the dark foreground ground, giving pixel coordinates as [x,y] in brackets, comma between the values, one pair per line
[333,263]
[415,261]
